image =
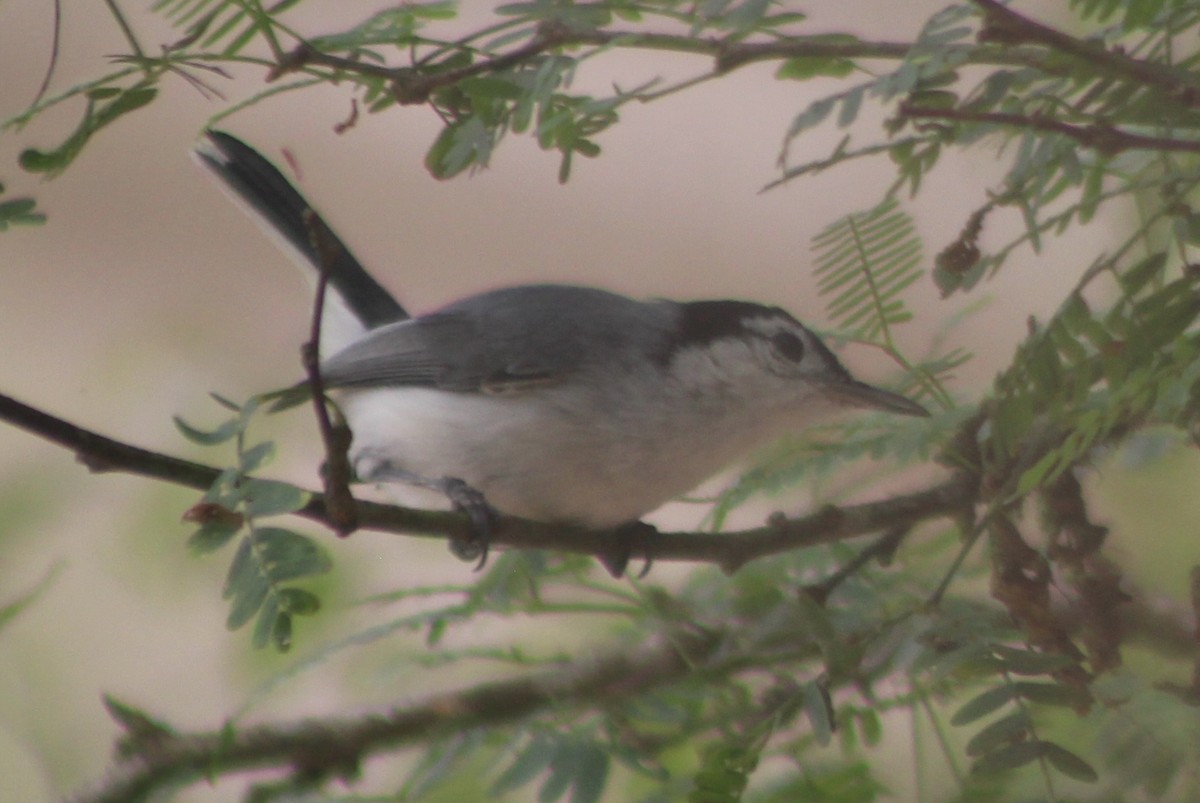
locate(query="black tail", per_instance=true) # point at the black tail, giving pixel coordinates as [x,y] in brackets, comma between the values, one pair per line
[261,186]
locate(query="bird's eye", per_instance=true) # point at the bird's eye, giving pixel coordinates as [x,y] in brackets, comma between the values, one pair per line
[789,345]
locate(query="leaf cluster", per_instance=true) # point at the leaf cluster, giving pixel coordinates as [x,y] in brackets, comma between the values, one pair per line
[268,559]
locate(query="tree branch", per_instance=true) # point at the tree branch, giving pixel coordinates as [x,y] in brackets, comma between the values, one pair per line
[1104,138]
[320,749]
[411,86]
[1007,27]
[729,550]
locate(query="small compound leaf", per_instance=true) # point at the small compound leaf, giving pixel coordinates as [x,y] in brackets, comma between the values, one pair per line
[803,68]
[1008,758]
[591,773]
[245,586]
[298,602]
[213,535]
[437,629]
[287,555]
[1006,730]
[281,632]
[982,705]
[98,114]
[257,456]
[724,773]
[532,760]
[1028,662]
[818,705]
[811,117]
[562,773]
[1070,764]
[491,87]
[11,609]
[272,498]
[1055,694]
[226,431]
[870,726]
[134,721]
[19,212]
[264,626]
[224,401]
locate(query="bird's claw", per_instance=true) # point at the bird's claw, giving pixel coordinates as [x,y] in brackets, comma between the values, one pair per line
[483,517]
[628,539]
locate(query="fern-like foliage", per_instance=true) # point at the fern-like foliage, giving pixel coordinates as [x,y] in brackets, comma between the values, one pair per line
[864,262]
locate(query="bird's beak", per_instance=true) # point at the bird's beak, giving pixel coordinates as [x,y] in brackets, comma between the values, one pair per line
[859,394]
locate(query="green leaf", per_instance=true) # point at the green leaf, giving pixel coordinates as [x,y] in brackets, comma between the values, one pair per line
[1135,278]
[1069,764]
[863,263]
[491,87]
[983,704]
[1028,662]
[281,632]
[1006,730]
[1008,758]
[459,146]
[19,212]
[213,535]
[224,432]
[245,586]
[724,773]
[1044,470]
[15,607]
[135,721]
[1055,694]
[811,117]
[802,68]
[933,98]
[256,457]
[818,705]
[870,725]
[562,773]
[851,103]
[271,497]
[591,773]
[264,626]
[97,115]
[287,555]
[528,763]
[298,602]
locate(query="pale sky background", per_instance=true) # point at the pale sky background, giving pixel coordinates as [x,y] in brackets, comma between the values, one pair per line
[147,289]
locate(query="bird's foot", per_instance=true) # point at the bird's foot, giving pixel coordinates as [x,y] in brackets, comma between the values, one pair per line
[628,539]
[483,519]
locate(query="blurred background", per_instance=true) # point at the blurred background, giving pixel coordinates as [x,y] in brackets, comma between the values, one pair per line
[147,289]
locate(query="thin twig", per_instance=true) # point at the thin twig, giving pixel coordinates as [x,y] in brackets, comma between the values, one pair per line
[125,29]
[1104,138]
[340,502]
[54,44]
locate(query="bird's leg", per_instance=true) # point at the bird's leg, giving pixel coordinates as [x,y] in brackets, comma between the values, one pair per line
[482,515]
[463,497]
[629,538]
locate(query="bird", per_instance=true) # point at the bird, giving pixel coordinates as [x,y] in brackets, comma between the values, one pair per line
[558,403]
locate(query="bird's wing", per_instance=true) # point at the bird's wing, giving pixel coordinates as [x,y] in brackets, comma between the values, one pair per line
[444,350]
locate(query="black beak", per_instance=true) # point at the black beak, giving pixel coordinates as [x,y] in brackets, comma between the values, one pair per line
[853,393]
